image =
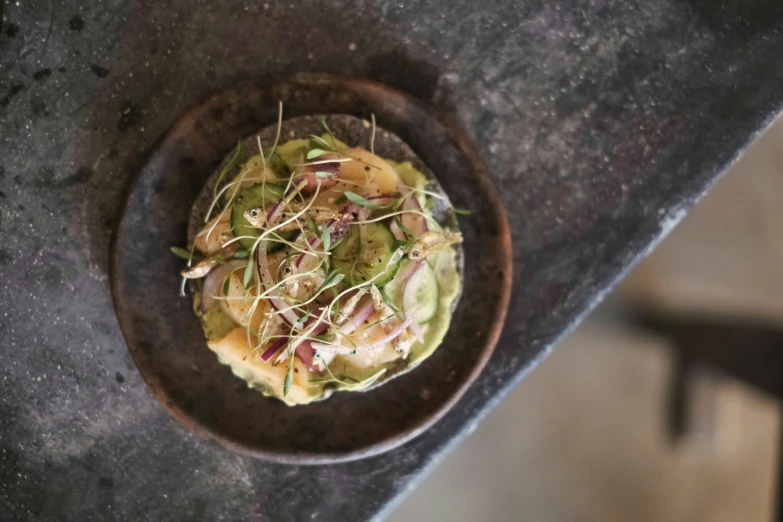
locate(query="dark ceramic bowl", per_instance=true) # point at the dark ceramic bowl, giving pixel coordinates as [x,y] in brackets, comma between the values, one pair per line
[165,338]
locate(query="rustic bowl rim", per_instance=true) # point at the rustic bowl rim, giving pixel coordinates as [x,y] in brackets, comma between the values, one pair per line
[317,458]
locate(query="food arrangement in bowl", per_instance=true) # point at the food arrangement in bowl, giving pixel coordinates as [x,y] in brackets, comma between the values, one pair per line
[317,267]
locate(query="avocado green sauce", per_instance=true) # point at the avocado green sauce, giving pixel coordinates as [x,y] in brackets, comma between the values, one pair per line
[342,374]
[216,323]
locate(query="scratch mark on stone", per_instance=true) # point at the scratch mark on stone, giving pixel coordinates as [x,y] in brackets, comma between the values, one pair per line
[48,30]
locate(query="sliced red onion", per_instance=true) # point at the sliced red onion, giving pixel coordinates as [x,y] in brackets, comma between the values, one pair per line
[413,283]
[330,167]
[267,283]
[399,235]
[214,281]
[306,354]
[393,334]
[300,259]
[407,271]
[315,240]
[358,318]
[319,328]
[363,348]
[414,222]
[415,328]
[276,346]
[274,212]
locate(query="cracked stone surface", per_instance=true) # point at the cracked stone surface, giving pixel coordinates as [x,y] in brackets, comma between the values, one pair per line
[602,121]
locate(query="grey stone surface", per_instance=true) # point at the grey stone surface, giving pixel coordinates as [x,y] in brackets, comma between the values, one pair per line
[601,120]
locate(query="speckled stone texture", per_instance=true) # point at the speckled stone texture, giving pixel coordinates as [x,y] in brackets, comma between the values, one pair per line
[602,121]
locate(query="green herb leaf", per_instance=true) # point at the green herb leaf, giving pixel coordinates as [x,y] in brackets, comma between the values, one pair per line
[336,307]
[336,243]
[311,226]
[462,211]
[326,238]
[303,320]
[429,203]
[339,201]
[328,130]
[324,175]
[233,162]
[382,319]
[330,281]
[241,254]
[404,245]
[320,381]
[387,300]
[327,337]
[315,153]
[318,142]
[225,285]
[248,274]
[403,227]
[289,377]
[356,198]
[181,252]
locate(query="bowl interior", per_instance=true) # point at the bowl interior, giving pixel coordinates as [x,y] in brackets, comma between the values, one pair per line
[165,338]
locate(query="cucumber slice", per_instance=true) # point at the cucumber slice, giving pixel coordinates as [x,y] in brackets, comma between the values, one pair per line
[259,195]
[421,294]
[364,253]
[415,291]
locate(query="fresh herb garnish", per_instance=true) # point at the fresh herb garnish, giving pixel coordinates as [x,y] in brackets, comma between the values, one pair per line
[382,319]
[184,254]
[324,175]
[233,162]
[302,320]
[387,300]
[225,285]
[326,238]
[372,137]
[248,274]
[315,153]
[329,131]
[289,377]
[317,142]
[241,254]
[337,243]
[331,280]
[405,229]
[311,226]
[462,211]
[356,198]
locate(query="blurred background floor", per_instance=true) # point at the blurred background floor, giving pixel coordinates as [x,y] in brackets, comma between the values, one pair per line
[584,438]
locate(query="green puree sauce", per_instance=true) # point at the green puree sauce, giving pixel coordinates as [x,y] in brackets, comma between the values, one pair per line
[216,323]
